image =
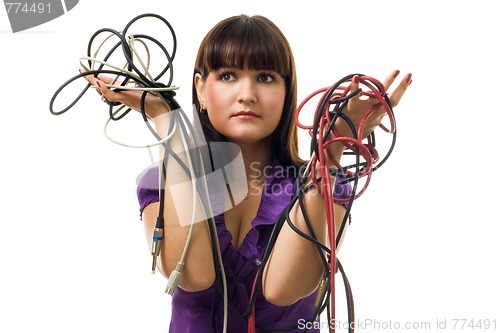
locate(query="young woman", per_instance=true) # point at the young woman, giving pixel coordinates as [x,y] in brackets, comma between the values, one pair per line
[245,92]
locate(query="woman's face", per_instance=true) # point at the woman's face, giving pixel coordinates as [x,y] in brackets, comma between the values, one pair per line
[243,105]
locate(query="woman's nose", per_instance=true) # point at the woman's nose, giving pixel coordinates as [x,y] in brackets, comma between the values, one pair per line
[247,92]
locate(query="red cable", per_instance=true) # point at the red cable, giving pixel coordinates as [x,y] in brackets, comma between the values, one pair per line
[365,150]
[251,316]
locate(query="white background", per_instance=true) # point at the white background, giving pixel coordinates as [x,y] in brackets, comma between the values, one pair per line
[423,243]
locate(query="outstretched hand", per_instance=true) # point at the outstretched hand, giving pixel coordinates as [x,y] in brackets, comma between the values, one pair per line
[154,106]
[358,105]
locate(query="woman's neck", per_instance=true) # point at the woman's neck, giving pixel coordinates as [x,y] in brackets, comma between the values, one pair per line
[257,159]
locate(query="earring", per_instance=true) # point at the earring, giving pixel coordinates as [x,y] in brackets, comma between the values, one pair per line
[202,107]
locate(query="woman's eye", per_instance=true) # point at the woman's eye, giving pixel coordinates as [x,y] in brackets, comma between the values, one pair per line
[227,77]
[266,78]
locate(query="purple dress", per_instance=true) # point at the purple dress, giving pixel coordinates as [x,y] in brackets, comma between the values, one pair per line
[192,311]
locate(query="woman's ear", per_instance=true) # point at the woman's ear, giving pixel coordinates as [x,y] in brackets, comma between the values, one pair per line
[200,88]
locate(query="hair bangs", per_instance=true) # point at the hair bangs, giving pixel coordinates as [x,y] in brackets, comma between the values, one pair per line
[247,44]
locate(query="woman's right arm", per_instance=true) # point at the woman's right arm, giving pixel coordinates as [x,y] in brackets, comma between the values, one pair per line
[198,273]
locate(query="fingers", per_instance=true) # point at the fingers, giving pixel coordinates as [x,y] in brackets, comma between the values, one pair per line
[92,79]
[100,83]
[104,90]
[390,79]
[354,100]
[357,102]
[154,105]
[396,95]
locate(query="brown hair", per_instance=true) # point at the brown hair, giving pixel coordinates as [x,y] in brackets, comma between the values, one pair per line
[255,42]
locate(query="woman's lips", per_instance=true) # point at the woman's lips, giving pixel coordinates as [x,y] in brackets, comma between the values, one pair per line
[246,115]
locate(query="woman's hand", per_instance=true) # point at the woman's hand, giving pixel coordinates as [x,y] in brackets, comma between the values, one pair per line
[359,105]
[154,106]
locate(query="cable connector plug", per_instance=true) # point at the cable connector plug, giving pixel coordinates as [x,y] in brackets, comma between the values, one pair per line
[155,250]
[174,278]
[322,289]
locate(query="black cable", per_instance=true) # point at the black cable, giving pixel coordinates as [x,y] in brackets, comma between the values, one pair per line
[354,179]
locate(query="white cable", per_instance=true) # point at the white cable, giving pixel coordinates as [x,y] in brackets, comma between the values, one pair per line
[171,88]
[221,263]
[130,41]
[193,220]
[175,275]
[151,157]
[126,72]
[193,182]
[134,51]
[160,142]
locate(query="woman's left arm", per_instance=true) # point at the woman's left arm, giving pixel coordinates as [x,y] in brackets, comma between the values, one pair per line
[295,266]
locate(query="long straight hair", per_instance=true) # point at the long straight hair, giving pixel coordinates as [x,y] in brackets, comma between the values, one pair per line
[256,43]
